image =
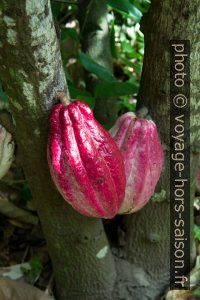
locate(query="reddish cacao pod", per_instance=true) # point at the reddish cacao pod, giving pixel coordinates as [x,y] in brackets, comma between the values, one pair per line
[85,163]
[142,152]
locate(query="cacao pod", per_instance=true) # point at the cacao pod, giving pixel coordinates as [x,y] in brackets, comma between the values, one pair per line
[142,152]
[85,163]
[6,151]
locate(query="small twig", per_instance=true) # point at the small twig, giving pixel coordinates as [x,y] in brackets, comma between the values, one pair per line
[25,254]
[49,287]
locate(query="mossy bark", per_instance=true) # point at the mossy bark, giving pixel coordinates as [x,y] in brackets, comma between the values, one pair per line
[31,73]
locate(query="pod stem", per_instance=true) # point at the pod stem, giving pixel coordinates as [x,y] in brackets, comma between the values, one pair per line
[63,98]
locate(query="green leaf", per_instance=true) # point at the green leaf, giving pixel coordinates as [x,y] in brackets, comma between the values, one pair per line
[127,47]
[138,67]
[197,292]
[26,194]
[69,33]
[3,96]
[89,100]
[112,40]
[115,89]
[81,95]
[33,273]
[127,62]
[125,6]
[56,8]
[197,232]
[143,5]
[91,66]
[126,103]
[74,92]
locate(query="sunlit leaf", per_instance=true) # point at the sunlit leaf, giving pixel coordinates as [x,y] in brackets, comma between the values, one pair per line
[143,5]
[33,273]
[126,102]
[197,232]
[126,7]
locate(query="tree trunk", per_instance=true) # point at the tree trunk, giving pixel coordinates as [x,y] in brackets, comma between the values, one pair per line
[31,73]
[95,40]
[146,233]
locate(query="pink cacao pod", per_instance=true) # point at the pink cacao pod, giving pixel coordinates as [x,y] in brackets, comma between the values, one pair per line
[85,163]
[142,152]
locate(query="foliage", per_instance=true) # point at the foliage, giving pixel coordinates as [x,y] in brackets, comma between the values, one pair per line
[25,194]
[197,292]
[197,232]
[127,46]
[32,274]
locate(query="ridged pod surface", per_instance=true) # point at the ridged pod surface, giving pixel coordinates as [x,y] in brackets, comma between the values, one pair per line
[7,148]
[85,163]
[140,146]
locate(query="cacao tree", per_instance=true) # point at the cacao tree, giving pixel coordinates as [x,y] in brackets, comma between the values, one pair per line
[126,257]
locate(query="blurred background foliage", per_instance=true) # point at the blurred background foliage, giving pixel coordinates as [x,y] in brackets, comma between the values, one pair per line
[127,47]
